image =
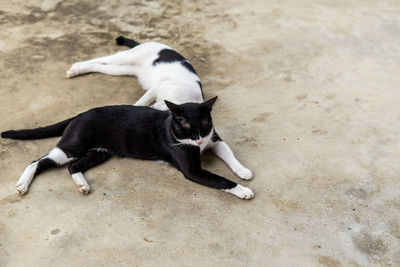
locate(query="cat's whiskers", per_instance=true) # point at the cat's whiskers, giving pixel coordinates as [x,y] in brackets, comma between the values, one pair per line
[180,145]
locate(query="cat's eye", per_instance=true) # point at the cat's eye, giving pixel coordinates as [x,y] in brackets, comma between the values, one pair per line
[179,118]
[205,121]
[182,121]
[185,124]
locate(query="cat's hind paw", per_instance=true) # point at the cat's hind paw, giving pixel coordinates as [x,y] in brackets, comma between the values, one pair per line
[70,74]
[84,189]
[22,188]
[244,173]
[240,191]
[80,181]
[75,70]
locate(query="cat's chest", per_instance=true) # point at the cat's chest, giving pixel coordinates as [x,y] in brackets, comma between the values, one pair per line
[205,146]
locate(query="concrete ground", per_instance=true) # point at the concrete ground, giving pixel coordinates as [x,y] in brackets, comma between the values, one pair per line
[308,100]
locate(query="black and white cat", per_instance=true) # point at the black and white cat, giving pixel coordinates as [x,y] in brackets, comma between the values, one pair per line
[166,75]
[89,139]
[161,71]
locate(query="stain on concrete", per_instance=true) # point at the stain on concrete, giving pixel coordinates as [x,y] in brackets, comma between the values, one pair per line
[262,117]
[148,240]
[369,245]
[327,261]
[357,193]
[394,228]
[4,251]
[215,247]
[44,51]
[55,231]
[14,198]
[302,97]
[319,132]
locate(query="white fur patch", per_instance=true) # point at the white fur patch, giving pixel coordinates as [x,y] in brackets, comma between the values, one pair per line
[159,106]
[58,156]
[26,178]
[240,191]
[223,151]
[204,141]
[163,162]
[167,80]
[80,181]
[99,149]
[243,173]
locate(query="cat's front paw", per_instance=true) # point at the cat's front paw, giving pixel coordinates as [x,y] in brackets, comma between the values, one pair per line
[241,192]
[22,188]
[244,173]
[84,189]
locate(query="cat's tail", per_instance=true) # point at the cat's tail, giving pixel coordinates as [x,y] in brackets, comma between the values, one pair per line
[37,133]
[121,40]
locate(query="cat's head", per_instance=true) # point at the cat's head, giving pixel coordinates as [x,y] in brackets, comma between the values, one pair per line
[192,123]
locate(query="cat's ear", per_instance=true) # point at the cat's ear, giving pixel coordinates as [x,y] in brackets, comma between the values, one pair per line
[209,103]
[174,108]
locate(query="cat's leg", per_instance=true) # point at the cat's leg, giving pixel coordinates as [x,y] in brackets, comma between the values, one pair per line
[148,98]
[92,158]
[160,106]
[110,69]
[223,151]
[121,58]
[56,157]
[132,57]
[188,162]
[215,181]
[125,57]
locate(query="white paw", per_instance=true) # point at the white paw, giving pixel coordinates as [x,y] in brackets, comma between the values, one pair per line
[84,189]
[75,70]
[71,73]
[22,188]
[162,162]
[244,173]
[240,191]
[159,106]
[80,181]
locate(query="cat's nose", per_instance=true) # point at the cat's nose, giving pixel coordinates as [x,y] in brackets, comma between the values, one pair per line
[199,142]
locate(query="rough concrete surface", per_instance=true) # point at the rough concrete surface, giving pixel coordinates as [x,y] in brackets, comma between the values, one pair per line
[308,100]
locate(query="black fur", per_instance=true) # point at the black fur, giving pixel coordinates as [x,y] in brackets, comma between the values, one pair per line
[215,138]
[121,40]
[201,88]
[90,160]
[168,56]
[44,164]
[138,132]
[189,66]
[38,133]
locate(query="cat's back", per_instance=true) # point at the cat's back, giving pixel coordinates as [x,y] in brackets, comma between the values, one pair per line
[153,47]
[169,73]
[146,53]
[123,130]
[125,113]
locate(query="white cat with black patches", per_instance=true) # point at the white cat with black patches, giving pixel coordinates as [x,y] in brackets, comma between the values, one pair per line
[165,75]
[161,71]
